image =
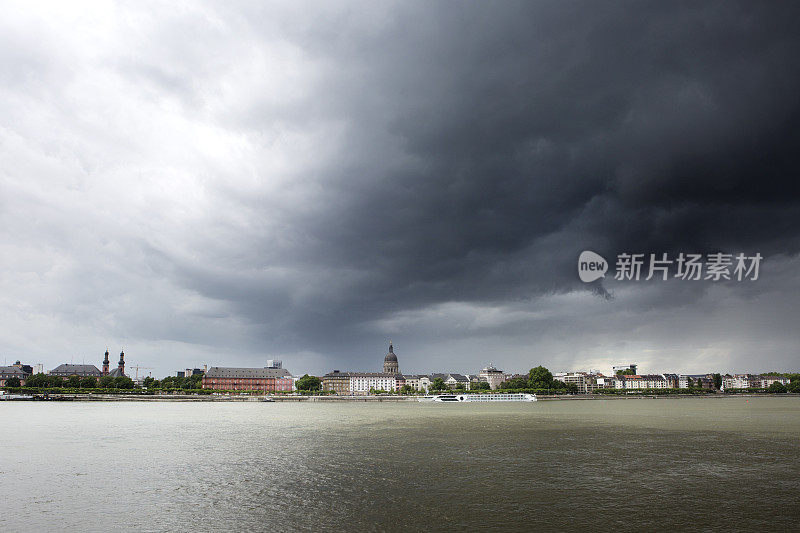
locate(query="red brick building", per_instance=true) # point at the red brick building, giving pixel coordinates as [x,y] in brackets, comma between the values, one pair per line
[260,379]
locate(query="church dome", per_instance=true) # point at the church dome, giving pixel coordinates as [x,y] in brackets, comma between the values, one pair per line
[390,365]
[390,357]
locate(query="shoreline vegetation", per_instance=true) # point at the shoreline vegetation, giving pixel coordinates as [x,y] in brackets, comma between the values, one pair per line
[259,396]
[539,381]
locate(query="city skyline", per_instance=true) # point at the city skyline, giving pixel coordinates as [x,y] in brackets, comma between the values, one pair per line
[223,185]
[608,370]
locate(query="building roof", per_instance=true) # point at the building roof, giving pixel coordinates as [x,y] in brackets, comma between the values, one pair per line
[337,374]
[362,375]
[646,377]
[240,372]
[9,371]
[117,373]
[75,370]
[461,378]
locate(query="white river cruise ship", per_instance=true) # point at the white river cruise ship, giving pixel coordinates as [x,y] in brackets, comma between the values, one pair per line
[483,398]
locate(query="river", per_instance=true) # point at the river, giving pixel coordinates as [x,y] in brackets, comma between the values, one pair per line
[704,463]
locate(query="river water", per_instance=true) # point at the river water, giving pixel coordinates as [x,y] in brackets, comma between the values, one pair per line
[664,464]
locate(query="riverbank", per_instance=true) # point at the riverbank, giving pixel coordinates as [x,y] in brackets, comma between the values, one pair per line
[200,398]
[328,399]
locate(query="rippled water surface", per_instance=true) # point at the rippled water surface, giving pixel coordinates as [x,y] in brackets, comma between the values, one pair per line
[721,464]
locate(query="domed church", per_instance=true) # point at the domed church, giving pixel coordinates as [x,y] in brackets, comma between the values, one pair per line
[390,365]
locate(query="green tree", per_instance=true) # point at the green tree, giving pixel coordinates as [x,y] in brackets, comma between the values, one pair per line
[717,381]
[196,381]
[73,382]
[88,382]
[43,380]
[13,382]
[106,382]
[540,378]
[174,382]
[406,389]
[515,383]
[148,382]
[481,385]
[308,383]
[461,386]
[438,384]
[794,386]
[626,372]
[777,386]
[123,382]
[37,380]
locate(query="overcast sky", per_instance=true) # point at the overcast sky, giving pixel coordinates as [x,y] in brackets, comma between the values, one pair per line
[223,183]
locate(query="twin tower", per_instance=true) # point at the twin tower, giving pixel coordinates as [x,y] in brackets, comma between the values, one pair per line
[117,372]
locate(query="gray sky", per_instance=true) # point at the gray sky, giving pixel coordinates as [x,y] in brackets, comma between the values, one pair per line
[227,183]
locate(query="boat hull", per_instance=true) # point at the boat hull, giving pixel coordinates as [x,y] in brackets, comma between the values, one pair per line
[480,398]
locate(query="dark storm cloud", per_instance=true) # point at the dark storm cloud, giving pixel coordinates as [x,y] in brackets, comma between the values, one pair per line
[485,147]
[312,179]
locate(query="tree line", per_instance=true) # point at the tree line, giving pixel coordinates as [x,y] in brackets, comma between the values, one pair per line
[49,381]
[43,381]
[174,382]
[539,378]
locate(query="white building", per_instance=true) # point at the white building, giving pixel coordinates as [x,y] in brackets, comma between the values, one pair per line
[424,383]
[363,383]
[751,381]
[413,381]
[766,381]
[493,376]
[454,380]
[649,381]
[609,382]
[586,383]
[703,380]
[741,381]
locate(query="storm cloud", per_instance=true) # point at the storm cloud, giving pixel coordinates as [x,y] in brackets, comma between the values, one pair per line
[226,184]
